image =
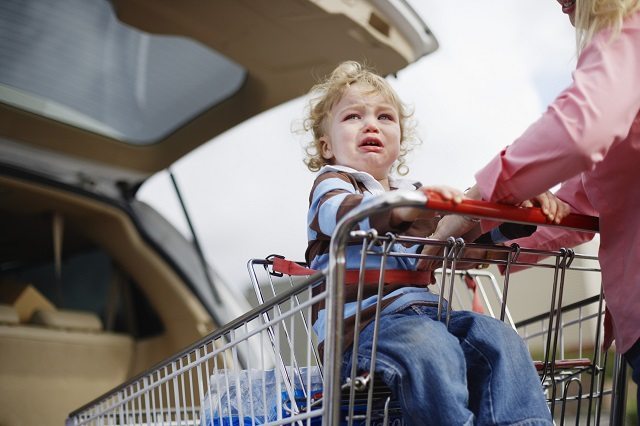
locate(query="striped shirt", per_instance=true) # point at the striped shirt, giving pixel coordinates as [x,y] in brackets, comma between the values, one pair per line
[336,191]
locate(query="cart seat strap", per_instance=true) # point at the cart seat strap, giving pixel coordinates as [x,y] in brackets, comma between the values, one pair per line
[371,276]
[289,267]
[391,276]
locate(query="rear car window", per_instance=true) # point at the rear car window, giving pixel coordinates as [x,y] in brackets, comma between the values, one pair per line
[73,61]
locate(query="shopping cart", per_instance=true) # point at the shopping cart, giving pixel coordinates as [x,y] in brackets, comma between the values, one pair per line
[291,382]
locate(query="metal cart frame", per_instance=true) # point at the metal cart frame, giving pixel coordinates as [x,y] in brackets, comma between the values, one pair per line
[177,390]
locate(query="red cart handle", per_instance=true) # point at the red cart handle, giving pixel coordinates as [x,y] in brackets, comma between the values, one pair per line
[504,212]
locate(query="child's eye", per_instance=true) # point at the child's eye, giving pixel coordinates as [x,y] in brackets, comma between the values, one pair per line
[352,117]
[386,117]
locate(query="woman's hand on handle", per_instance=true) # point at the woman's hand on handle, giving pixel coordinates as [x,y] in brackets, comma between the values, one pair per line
[552,207]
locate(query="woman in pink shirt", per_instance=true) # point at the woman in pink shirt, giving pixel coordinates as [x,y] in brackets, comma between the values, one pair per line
[589,140]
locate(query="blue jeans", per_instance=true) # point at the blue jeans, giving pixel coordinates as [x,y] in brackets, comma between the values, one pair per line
[477,372]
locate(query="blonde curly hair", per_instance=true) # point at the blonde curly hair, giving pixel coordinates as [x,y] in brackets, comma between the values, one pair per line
[327,93]
[595,15]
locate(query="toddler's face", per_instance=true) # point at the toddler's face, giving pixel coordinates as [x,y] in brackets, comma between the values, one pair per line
[362,131]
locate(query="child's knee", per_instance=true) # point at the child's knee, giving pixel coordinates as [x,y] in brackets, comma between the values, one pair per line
[422,341]
[498,331]
[423,333]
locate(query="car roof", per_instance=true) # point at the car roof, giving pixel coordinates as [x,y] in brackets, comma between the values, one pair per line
[136,84]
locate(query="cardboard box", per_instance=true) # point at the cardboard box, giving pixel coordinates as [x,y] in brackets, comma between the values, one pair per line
[25,299]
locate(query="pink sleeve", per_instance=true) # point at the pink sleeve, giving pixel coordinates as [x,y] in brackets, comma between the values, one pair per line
[579,127]
[551,238]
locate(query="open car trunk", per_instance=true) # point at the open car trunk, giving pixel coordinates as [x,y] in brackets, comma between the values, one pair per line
[95,97]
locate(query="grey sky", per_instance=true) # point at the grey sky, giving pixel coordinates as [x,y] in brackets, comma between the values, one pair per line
[499,64]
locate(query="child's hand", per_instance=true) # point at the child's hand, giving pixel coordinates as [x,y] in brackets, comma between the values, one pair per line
[411,214]
[553,207]
[449,226]
[430,265]
[446,192]
[476,259]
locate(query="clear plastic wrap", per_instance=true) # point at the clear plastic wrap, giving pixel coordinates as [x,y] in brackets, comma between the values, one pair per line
[256,397]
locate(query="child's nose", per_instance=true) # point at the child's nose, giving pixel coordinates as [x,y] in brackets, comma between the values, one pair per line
[370,126]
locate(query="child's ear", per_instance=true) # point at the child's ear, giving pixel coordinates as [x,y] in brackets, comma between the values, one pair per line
[325,148]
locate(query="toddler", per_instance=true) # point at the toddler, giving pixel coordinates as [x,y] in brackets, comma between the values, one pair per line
[478,371]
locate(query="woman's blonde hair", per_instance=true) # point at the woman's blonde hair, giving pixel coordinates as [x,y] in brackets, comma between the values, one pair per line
[595,15]
[327,93]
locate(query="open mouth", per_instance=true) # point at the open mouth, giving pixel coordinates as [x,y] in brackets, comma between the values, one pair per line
[568,6]
[371,142]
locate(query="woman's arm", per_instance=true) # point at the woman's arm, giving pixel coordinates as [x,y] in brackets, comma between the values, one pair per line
[579,127]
